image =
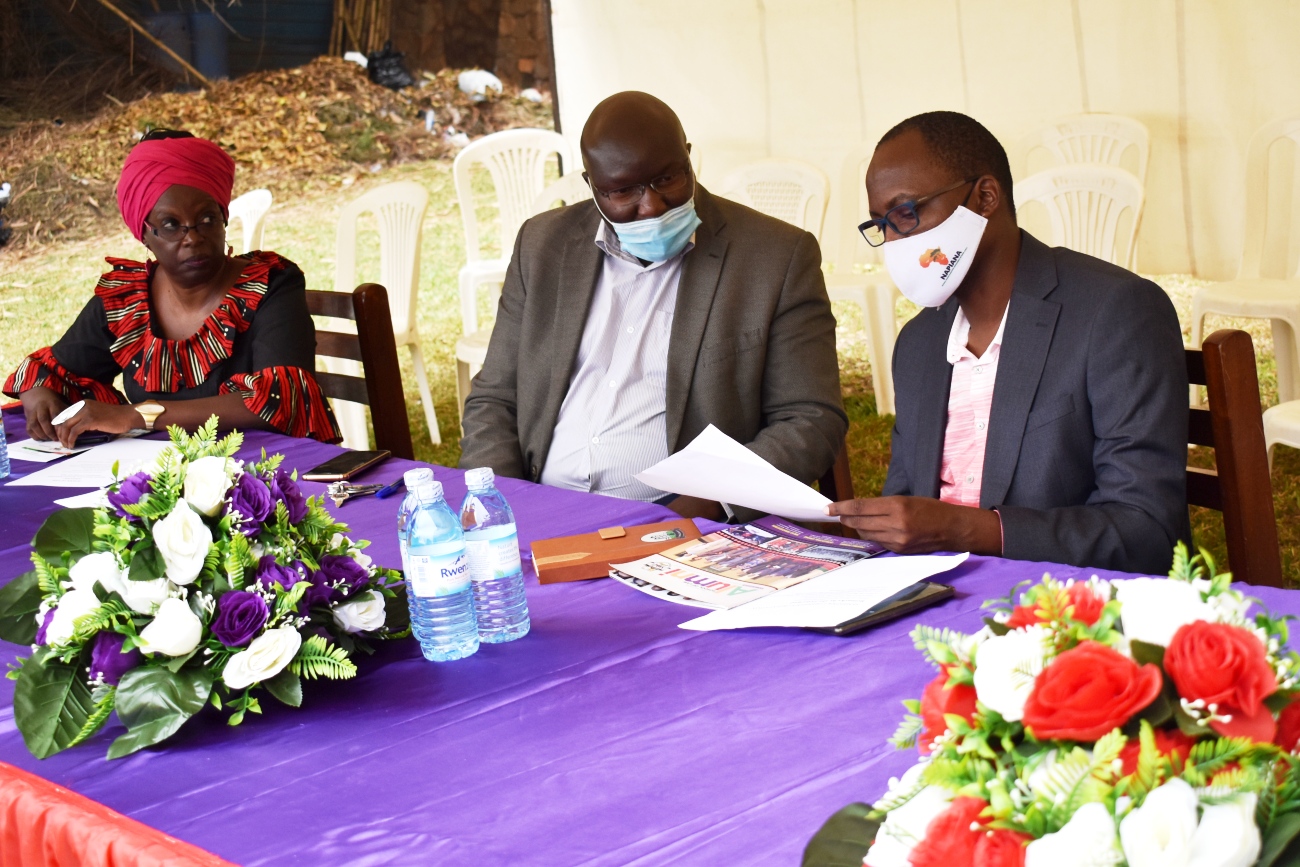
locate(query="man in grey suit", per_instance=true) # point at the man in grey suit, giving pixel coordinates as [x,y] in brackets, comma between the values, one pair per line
[630,323]
[1042,393]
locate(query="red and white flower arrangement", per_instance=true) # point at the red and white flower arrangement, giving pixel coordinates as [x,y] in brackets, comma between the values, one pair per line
[1146,721]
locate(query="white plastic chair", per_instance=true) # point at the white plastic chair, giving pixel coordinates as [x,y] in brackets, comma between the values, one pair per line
[250,210]
[1099,139]
[568,190]
[1282,427]
[790,190]
[1252,295]
[399,209]
[1084,204]
[516,159]
[873,293]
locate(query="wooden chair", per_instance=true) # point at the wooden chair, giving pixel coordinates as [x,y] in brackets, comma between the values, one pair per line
[374,346]
[837,484]
[1234,428]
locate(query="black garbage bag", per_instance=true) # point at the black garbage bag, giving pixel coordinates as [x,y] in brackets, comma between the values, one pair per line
[386,67]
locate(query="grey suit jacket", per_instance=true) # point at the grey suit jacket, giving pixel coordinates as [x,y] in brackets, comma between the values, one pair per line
[752,347]
[1087,440]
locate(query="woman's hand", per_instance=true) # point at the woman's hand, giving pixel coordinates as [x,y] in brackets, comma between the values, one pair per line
[96,416]
[40,406]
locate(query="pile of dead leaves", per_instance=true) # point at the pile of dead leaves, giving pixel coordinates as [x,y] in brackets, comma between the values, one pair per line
[288,130]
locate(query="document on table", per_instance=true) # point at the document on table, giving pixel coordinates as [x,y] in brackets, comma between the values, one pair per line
[94,468]
[716,467]
[832,598]
[89,500]
[39,452]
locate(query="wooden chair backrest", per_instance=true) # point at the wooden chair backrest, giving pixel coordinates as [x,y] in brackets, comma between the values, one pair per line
[373,345]
[1233,426]
[837,484]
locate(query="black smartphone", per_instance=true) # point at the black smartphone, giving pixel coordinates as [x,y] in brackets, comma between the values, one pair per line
[93,438]
[345,466]
[905,601]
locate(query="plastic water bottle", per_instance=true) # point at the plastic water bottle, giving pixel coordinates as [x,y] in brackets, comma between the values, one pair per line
[413,479]
[437,579]
[493,548]
[4,454]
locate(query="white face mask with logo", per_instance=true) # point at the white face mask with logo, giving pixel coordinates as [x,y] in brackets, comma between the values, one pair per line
[928,267]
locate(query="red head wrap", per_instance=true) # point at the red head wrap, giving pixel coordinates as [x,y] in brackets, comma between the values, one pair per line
[154,165]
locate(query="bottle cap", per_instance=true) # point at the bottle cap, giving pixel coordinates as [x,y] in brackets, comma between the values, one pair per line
[479,477]
[414,477]
[428,491]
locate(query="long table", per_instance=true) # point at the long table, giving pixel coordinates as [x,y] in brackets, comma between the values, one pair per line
[607,736]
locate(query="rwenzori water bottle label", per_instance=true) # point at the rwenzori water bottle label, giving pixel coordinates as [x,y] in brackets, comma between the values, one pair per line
[438,576]
[490,559]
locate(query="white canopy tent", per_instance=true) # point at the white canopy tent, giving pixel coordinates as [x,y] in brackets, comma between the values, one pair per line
[816,79]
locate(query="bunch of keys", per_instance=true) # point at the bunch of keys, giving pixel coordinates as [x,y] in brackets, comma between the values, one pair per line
[341,492]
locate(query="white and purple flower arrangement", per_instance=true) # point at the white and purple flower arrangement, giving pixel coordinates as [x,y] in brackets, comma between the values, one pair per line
[202,581]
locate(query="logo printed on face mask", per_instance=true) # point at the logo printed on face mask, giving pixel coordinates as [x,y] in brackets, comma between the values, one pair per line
[935,255]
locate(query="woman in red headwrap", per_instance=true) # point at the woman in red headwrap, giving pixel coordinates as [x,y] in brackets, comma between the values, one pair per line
[195,331]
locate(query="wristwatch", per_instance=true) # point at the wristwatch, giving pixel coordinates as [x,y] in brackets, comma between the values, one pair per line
[149,411]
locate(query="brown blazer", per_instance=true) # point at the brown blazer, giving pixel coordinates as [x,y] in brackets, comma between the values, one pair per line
[752,348]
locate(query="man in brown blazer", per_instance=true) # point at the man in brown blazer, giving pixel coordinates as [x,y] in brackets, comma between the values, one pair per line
[630,323]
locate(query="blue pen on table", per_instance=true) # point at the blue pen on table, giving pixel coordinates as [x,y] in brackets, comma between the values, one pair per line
[388,490]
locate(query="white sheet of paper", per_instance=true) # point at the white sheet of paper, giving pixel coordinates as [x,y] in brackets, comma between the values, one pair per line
[40,452]
[716,467]
[88,500]
[94,468]
[833,598]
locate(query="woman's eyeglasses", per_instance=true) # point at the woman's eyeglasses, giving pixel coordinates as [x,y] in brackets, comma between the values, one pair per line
[903,218]
[664,185]
[172,230]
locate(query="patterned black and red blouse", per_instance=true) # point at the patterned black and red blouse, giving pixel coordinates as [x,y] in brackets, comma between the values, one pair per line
[259,343]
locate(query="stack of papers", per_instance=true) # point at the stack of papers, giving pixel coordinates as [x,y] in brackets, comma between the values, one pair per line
[716,467]
[41,452]
[94,467]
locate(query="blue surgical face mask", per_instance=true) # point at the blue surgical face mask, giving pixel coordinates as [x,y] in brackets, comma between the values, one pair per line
[661,237]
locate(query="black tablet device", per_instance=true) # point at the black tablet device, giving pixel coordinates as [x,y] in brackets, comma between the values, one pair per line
[905,601]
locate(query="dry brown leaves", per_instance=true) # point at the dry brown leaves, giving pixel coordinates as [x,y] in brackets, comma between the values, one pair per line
[289,130]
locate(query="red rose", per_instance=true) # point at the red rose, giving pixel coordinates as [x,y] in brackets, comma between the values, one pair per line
[1087,691]
[949,840]
[1168,743]
[1001,849]
[1087,608]
[1288,727]
[939,699]
[1225,666]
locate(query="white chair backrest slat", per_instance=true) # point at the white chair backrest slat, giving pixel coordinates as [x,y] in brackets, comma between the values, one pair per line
[567,190]
[789,190]
[1257,190]
[250,210]
[1099,139]
[1084,205]
[399,210]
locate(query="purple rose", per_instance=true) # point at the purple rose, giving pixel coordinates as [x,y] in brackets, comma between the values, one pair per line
[128,493]
[285,489]
[107,659]
[240,616]
[270,572]
[250,504]
[45,624]
[339,576]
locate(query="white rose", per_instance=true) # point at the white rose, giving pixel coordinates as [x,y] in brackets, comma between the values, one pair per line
[1087,840]
[1152,609]
[364,614]
[363,559]
[207,481]
[1005,668]
[174,630]
[905,825]
[1227,835]
[1159,833]
[73,604]
[265,657]
[141,596]
[183,541]
[101,567]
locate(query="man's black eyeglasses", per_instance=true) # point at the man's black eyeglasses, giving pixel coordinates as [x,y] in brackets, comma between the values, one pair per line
[172,231]
[903,218]
[665,185]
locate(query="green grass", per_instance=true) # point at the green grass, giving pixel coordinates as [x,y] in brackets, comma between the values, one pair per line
[41,293]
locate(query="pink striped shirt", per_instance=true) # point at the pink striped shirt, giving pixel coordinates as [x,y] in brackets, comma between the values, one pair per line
[970,397]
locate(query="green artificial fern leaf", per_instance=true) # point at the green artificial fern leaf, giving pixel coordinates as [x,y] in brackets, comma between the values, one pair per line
[47,575]
[319,658]
[104,703]
[907,732]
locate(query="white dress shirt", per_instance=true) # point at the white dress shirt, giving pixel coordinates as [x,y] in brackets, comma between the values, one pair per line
[612,421]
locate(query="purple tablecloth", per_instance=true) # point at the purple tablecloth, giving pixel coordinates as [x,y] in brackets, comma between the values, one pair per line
[606,737]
